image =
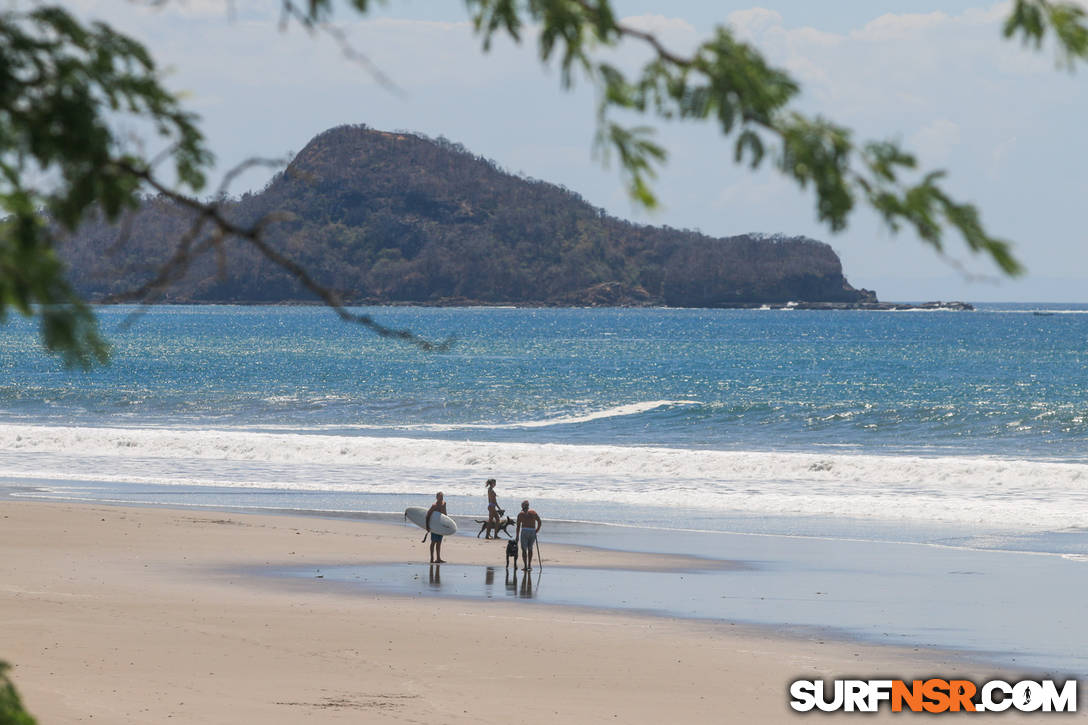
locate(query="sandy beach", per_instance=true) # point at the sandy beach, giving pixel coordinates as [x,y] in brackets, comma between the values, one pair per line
[141,615]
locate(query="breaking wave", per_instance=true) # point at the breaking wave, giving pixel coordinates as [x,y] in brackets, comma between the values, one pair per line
[1028,495]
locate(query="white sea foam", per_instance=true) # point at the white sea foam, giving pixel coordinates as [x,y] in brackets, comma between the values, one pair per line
[614,412]
[1045,312]
[1018,494]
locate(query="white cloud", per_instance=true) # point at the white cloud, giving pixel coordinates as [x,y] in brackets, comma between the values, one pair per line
[811,37]
[995,13]
[935,141]
[898,27]
[753,192]
[999,154]
[750,23]
[807,70]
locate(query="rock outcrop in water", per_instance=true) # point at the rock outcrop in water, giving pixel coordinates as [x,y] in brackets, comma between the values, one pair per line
[396,217]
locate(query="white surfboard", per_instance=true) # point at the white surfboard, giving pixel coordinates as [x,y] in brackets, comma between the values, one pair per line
[440,523]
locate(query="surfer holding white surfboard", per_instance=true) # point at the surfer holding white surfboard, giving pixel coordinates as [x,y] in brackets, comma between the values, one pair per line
[439,505]
[438,525]
[435,522]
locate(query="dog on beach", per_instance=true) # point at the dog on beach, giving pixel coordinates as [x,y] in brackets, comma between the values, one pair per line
[493,529]
[512,551]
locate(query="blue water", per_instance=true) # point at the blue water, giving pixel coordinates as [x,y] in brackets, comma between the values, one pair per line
[780,433]
[913,419]
[997,381]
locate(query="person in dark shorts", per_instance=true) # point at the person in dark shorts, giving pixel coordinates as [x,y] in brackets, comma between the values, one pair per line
[439,505]
[529,525]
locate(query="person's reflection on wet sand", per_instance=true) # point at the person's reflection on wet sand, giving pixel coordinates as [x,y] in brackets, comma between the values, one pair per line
[526,587]
[489,577]
[434,577]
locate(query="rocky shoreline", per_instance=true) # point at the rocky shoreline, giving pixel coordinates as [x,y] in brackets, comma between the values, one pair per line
[460,302]
[876,306]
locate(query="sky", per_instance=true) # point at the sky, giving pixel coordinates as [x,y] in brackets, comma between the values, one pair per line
[1004,121]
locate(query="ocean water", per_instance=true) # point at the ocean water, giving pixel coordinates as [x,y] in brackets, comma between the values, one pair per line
[928,420]
[877,471]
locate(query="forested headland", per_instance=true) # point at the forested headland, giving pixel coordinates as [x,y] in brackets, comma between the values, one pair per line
[397,217]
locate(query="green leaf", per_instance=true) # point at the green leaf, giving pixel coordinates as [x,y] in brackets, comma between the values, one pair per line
[61,85]
[12,711]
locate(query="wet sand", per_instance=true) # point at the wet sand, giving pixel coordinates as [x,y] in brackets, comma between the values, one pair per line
[139,615]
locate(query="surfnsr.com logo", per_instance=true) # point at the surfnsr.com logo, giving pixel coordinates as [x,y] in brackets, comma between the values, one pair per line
[934,695]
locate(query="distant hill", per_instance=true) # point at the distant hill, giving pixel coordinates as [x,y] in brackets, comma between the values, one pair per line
[393,217]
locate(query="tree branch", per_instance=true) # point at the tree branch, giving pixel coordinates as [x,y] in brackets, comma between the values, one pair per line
[211,213]
[311,22]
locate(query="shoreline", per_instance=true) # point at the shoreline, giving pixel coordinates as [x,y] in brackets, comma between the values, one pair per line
[951,535]
[137,614]
[34,493]
[809,305]
[866,590]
